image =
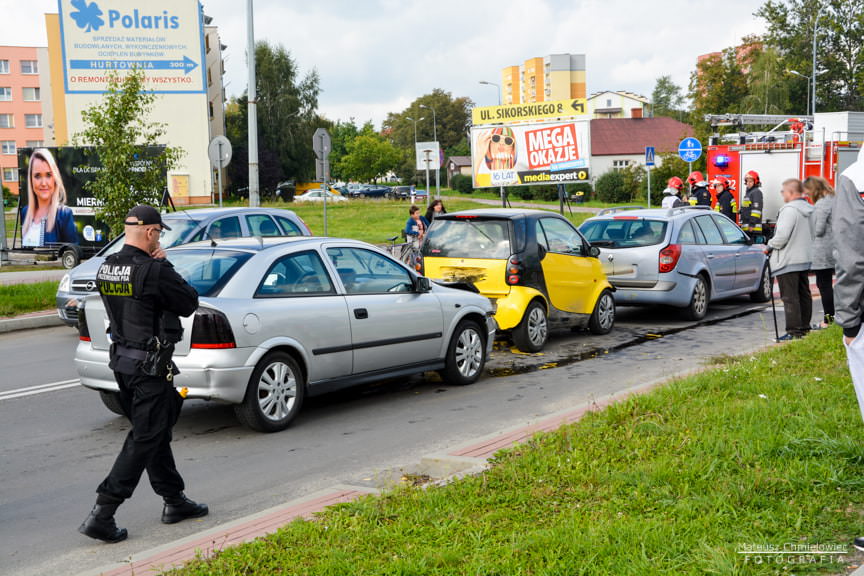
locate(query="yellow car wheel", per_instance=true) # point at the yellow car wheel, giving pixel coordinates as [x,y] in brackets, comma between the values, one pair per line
[533,331]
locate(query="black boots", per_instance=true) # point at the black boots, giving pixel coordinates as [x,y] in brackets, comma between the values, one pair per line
[100,523]
[180,507]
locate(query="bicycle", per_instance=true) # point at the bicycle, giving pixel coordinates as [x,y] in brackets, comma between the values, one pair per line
[405,252]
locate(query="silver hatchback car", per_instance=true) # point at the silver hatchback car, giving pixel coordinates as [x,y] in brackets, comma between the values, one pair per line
[186,226]
[682,257]
[281,318]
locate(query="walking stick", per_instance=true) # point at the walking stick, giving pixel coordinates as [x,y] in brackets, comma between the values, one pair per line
[773,308]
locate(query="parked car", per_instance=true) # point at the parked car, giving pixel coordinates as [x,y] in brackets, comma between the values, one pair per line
[285,318]
[371,191]
[318,196]
[534,265]
[683,257]
[186,226]
[406,192]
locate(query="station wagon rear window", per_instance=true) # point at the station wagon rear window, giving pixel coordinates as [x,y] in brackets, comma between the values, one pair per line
[624,233]
[468,238]
[207,271]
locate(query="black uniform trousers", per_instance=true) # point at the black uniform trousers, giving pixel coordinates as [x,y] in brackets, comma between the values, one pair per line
[152,405]
[797,301]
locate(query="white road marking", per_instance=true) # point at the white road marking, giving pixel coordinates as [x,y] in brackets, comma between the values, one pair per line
[39,389]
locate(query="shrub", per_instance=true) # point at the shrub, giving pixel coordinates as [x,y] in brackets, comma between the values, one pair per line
[613,187]
[462,184]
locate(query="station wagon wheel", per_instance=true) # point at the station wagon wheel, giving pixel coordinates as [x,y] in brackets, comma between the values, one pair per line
[766,285]
[466,354]
[603,317]
[274,394]
[698,307]
[111,400]
[533,331]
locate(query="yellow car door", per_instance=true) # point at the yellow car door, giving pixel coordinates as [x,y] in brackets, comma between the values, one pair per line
[571,277]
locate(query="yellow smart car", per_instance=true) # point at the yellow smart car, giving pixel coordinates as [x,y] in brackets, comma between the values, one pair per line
[534,265]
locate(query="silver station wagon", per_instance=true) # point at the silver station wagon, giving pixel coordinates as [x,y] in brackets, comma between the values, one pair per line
[682,257]
[282,318]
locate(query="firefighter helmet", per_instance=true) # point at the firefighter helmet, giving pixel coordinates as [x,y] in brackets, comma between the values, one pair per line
[695,177]
[720,180]
[675,182]
[755,176]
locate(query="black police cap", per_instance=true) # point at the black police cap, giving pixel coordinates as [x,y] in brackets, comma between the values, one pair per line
[144,215]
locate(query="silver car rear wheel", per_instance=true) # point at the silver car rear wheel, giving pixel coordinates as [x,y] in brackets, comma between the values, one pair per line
[698,307]
[466,354]
[274,394]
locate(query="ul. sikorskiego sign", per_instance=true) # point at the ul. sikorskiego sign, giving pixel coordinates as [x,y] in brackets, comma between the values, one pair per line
[163,39]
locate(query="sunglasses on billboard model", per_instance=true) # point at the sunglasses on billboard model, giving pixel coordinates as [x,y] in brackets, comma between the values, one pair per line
[507,139]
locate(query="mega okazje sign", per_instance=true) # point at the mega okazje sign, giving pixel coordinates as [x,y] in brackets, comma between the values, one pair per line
[521,154]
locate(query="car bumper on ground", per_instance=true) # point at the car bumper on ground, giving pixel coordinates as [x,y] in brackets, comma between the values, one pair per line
[673,291]
[207,374]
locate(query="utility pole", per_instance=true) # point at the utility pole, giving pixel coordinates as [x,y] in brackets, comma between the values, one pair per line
[252,127]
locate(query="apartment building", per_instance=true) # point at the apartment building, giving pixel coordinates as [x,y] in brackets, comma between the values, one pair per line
[544,79]
[21,107]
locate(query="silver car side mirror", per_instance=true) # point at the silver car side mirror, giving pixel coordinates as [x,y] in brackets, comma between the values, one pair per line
[423,284]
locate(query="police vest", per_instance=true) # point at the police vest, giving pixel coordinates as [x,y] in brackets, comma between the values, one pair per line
[124,280]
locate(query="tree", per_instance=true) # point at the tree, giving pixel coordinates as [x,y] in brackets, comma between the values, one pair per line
[134,166]
[717,87]
[369,157]
[839,51]
[768,84]
[666,98]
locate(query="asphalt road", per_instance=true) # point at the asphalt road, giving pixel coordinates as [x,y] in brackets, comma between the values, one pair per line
[60,441]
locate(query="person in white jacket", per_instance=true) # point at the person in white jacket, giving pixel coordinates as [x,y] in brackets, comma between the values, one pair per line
[790,259]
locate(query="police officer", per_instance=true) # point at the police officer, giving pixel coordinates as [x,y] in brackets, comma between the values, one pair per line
[699,193]
[143,297]
[751,206]
[726,203]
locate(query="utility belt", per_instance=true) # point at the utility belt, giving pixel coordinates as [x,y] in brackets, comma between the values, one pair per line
[155,360]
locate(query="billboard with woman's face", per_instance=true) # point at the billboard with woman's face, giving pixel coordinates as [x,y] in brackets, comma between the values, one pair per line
[55,206]
[524,154]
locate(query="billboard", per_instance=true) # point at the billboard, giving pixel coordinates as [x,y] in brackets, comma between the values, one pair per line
[63,211]
[163,38]
[527,154]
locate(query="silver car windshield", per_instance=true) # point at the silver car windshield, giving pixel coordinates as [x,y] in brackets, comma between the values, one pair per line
[177,235]
[207,271]
[624,232]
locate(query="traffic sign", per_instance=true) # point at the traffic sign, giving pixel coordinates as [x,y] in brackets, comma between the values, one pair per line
[219,151]
[528,112]
[649,156]
[321,143]
[690,149]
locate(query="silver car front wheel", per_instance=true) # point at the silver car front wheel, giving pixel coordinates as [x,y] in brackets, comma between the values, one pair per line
[466,354]
[274,394]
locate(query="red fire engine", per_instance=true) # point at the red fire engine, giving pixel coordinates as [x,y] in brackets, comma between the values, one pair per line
[795,148]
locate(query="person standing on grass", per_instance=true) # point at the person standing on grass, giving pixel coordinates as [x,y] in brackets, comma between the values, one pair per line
[790,259]
[848,229]
[821,194]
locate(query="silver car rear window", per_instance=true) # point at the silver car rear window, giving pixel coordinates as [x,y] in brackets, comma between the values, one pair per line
[207,271]
[624,232]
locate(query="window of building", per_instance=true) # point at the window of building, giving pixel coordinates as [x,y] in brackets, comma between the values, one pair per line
[207,42]
[211,109]
[31,94]
[10,174]
[7,147]
[29,67]
[33,120]
[620,164]
[5,94]
[6,121]
[35,143]
[4,66]
[209,77]
[608,103]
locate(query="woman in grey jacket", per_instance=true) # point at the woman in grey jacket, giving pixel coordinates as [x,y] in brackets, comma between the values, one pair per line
[822,263]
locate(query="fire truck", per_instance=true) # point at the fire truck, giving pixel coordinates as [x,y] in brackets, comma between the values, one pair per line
[797,147]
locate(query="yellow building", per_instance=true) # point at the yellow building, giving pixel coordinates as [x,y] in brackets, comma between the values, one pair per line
[541,79]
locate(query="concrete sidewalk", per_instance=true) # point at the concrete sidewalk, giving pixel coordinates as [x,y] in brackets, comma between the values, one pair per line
[30,276]
[42,319]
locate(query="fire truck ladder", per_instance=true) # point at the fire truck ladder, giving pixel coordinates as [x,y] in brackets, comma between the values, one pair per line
[739,120]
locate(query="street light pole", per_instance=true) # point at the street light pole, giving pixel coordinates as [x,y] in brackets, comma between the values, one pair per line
[796,73]
[815,28]
[252,93]
[438,165]
[498,89]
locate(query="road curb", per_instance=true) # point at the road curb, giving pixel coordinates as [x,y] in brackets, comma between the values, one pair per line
[46,319]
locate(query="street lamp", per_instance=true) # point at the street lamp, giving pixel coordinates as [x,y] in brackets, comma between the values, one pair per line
[796,73]
[415,138]
[497,87]
[435,138]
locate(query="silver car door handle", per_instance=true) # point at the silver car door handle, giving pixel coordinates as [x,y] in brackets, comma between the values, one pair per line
[361,313]
[710,256]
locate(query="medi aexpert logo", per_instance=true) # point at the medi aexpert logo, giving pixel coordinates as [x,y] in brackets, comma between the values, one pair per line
[88,17]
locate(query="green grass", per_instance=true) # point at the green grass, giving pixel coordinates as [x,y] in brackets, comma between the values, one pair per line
[23,298]
[762,450]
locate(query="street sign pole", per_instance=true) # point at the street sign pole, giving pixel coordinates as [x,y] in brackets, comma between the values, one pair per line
[324,184]
[220,174]
[321,147]
[649,162]
[649,186]
[3,256]
[427,161]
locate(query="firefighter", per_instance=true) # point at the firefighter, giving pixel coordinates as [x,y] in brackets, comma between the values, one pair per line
[751,206]
[699,193]
[672,193]
[726,203]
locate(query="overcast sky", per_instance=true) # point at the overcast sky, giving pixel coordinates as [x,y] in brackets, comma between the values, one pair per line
[376,56]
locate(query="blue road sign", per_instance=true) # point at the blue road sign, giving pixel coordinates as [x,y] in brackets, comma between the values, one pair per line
[690,149]
[649,156]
